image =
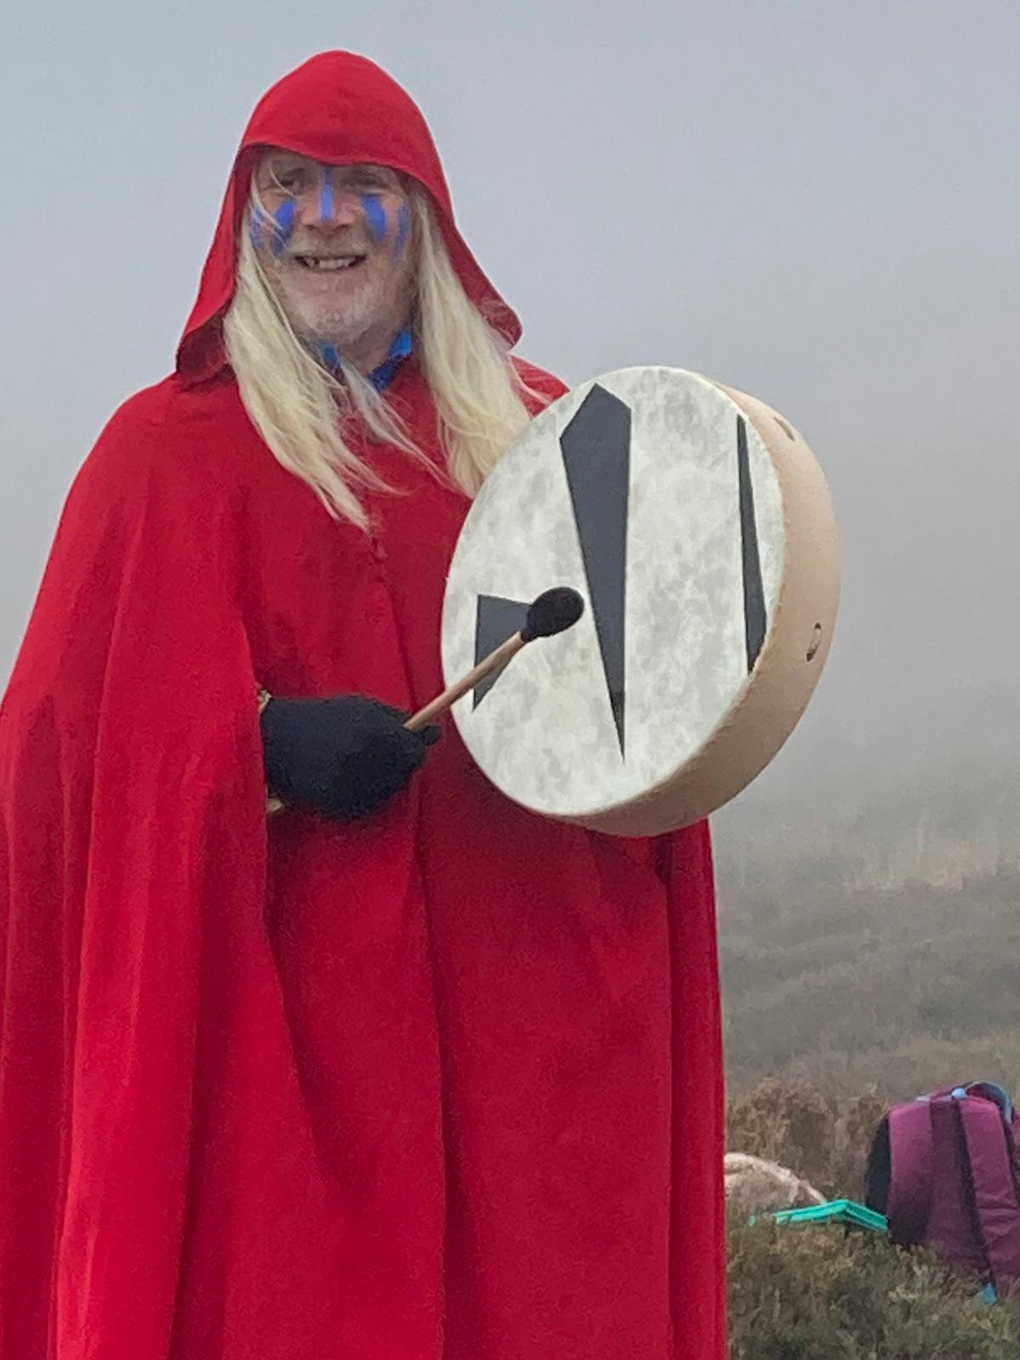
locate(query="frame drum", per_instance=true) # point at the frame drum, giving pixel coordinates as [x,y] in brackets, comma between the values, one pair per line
[699,529]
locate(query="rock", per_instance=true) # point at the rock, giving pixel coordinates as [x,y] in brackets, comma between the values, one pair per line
[756,1186]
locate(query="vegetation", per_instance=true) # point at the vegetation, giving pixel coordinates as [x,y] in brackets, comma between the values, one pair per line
[860,989]
[820,1292]
[862,965]
[823,1293]
[823,1140]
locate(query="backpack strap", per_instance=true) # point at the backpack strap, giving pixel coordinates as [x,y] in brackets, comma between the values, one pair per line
[911,1178]
[989,1090]
[989,1149]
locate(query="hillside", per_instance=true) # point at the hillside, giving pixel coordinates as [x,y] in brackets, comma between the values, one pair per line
[884,954]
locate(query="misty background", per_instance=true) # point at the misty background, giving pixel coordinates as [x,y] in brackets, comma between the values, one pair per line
[816,203]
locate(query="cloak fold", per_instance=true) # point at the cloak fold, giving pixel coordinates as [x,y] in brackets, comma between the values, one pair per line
[129,780]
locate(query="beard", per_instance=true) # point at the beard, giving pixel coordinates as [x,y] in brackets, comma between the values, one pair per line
[338,321]
[341,307]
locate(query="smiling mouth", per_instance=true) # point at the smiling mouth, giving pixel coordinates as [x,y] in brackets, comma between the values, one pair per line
[328,263]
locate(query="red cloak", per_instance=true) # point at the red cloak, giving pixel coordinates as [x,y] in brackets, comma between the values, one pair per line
[443,1083]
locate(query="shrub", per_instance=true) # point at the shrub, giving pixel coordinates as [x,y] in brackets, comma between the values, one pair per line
[823,1140]
[821,1293]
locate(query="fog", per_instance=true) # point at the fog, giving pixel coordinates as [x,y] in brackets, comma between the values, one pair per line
[817,204]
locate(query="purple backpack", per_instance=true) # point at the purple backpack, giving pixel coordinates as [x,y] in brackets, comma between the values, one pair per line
[942,1170]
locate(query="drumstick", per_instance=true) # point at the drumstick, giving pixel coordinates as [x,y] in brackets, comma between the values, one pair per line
[552,612]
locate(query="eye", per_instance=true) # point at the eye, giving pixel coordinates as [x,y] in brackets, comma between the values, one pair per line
[290,181]
[373,180]
[284,177]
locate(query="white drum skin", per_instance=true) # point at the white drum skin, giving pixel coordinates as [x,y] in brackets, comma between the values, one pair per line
[698,526]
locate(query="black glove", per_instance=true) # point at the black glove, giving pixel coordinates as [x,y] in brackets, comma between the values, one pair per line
[343,757]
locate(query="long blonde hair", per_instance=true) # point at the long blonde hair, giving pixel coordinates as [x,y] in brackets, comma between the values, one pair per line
[300,407]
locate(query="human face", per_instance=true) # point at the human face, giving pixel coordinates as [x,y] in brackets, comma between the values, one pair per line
[335,244]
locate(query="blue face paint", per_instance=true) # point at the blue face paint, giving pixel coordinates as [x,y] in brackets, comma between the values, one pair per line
[283,225]
[375,215]
[326,204]
[403,231]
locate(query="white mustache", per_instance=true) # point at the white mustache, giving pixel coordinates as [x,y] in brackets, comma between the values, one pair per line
[327,248]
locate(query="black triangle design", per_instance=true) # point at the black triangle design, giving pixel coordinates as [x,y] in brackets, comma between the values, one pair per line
[596,455]
[755,619]
[497,619]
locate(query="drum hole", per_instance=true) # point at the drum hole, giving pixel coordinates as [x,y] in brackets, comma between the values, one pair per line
[816,642]
[789,434]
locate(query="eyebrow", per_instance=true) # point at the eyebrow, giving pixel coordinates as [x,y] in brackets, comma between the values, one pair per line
[284,161]
[280,161]
[384,172]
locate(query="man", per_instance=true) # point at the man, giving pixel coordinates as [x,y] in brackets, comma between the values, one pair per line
[402,1072]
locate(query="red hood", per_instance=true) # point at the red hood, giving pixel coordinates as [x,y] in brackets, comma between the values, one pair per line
[336,107]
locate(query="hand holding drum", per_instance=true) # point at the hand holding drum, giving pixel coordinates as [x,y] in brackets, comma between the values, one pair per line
[700,528]
[340,757]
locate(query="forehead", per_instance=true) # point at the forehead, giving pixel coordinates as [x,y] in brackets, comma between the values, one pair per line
[276,161]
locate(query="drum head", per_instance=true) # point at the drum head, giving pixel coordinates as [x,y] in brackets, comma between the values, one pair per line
[697,526]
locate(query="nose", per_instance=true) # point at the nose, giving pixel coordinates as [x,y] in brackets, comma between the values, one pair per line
[322,205]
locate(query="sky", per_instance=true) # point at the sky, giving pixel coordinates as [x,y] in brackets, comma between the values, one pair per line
[816,203]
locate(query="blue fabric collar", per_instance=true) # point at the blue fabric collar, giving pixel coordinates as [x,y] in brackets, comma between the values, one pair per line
[380,377]
[403,344]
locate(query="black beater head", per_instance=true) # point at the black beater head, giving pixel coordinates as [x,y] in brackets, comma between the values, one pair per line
[552,612]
